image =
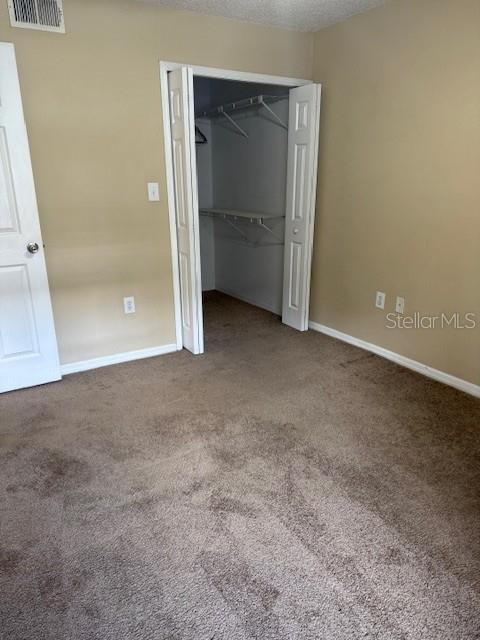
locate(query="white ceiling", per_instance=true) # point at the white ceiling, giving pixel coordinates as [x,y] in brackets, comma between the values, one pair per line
[304,15]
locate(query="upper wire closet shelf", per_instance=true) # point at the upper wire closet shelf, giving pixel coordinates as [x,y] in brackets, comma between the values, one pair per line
[255,101]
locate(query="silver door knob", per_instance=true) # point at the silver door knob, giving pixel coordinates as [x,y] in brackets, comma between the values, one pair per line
[32,247]
[295,231]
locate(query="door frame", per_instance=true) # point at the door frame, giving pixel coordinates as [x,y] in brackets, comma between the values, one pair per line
[208,72]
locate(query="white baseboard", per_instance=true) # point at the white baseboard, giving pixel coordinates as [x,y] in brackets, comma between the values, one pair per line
[116,358]
[430,372]
[254,303]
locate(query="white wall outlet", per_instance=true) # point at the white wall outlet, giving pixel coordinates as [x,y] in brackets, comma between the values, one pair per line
[129,304]
[153,191]
[400,305]
[380,300]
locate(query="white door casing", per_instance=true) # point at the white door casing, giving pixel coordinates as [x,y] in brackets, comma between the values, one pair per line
[180,90]
[303,132]
[28,346]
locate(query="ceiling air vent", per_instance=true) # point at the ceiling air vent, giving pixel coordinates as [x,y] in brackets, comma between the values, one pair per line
[46,15]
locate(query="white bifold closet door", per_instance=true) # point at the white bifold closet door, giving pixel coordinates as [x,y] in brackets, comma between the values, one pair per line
[304,120]
[182,120]
[28,346]
[303,131]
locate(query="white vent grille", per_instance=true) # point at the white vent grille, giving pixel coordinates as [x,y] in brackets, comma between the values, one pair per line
[46,15]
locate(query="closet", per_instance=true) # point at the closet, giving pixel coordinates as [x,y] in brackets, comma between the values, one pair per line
[241,158]
[241,136]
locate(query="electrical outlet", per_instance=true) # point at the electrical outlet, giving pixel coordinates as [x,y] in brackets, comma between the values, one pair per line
[400,305]
[129,304]
[380,300]
[153,191]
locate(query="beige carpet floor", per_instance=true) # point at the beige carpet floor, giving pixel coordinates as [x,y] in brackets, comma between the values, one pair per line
[282,486]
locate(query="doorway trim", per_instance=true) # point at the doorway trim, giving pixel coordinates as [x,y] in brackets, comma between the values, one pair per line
[209,72]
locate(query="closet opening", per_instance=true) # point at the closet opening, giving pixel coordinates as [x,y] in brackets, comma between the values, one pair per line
[241,146]
[241,157]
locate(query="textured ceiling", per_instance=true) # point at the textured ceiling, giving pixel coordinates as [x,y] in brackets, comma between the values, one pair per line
[305,15]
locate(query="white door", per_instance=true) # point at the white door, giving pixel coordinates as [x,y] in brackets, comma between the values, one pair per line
[303,129]
[182,119]
[28,346]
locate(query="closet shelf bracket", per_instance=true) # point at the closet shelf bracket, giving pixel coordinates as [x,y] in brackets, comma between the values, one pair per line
[237,229]
[267,228]
[261,101]
[232,121]
[200,137]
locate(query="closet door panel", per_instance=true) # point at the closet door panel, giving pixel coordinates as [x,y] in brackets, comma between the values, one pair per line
[304,120]
[180,84]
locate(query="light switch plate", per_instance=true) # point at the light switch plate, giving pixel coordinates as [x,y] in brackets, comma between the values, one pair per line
[153,191]
[129,304]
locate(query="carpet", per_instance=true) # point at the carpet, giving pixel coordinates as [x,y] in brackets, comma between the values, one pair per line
[281,486]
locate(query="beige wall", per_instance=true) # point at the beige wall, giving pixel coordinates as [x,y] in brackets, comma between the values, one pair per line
[399,188]
[399,178]
[92,105]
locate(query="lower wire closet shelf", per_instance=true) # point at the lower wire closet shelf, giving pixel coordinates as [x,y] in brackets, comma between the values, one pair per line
[230,216]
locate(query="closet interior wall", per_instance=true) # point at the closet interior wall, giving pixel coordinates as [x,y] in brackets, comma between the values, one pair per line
[246,174]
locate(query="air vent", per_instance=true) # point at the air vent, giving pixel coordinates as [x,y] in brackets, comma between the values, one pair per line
[46,15]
